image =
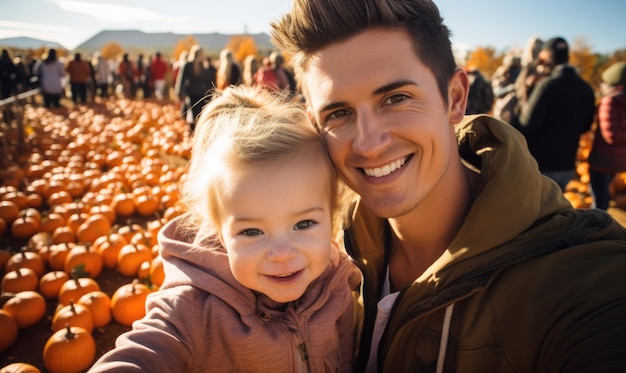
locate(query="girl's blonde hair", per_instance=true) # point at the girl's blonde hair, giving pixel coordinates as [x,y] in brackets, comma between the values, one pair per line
[244,127]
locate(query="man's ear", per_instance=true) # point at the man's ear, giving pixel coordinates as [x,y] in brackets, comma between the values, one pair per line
[458,90]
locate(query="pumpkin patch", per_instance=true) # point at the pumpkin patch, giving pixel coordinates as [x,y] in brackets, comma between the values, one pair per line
[81,203]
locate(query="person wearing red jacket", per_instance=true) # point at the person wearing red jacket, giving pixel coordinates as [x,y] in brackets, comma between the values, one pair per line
[158,71]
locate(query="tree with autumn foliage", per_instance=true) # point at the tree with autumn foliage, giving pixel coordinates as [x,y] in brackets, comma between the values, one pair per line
[582,59]
[242,46]
[111,50]
[184,45]
[485,60]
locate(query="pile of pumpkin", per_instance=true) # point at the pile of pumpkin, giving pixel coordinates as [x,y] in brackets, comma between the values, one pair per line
[578,191]
[85,192]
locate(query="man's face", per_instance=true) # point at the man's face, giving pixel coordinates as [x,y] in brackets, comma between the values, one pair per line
[388,131]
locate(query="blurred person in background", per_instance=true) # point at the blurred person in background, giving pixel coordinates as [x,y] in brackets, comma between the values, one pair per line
[158,71]
[8,74]
[480,99]
[195,83]
[228,71]
[51,73]
[102,75]
[560,108]
[503,85]
[250,68]
[79,73]
[608,151]
[127,76]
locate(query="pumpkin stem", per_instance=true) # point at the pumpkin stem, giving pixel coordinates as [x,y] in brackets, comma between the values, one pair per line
[69,335]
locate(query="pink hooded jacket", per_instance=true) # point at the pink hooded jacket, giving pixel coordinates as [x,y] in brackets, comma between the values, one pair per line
[203,320]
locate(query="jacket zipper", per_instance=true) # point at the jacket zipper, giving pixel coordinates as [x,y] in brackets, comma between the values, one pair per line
[304,358]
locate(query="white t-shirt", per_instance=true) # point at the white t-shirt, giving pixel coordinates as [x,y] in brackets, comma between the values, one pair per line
[382,316]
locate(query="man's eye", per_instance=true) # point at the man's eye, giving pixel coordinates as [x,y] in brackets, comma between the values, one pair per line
[337,114]
[304,224]
[251,232]
[396,99]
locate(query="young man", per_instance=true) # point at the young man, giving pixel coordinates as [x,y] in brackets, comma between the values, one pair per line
[472,260]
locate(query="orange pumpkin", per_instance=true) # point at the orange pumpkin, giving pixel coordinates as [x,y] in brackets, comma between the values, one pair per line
[18,197]
[69,350]
[26,308]
[95,226]
[51,222]
[123,204]
[85,260]
[73,314]
[157,273]
[128,302]
[24,227]
[106,210]
[60,197]
[9,211]
[34,200]
[63,234]
[26,259]
[109,247]
[21,279]
[147,204]
[75,288]
[99,303]
[9,329]
[57,254]
[130,257]
[51,282]
[39,242]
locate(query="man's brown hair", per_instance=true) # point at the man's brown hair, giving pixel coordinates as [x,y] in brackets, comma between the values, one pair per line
[314,24]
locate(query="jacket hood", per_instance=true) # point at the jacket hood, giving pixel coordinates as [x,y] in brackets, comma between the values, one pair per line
[513,194]
[193,257]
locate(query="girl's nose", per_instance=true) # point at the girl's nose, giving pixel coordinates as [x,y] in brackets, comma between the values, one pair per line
[281,250]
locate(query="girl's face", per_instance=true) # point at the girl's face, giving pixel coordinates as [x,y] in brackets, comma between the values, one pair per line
[276,226]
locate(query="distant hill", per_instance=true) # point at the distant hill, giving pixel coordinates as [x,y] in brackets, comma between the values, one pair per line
[164,41]
[23,42]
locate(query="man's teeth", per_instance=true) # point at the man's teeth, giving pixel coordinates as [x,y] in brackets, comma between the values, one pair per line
[385,170]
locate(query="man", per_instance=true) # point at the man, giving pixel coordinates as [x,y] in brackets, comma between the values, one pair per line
[559,110]
[472,260]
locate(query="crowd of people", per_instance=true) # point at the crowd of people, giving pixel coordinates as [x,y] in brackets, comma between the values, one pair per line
[189,80]
[543,96]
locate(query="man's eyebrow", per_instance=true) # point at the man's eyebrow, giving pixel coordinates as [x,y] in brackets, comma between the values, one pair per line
[381,90]
[393,85]
[331,106]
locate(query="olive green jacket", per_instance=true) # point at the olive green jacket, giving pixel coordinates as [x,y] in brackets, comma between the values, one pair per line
[536,285]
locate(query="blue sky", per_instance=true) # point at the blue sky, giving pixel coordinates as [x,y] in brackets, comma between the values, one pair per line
[501,24]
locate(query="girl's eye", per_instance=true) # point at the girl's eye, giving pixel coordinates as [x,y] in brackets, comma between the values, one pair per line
[304,224]
[251,232]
